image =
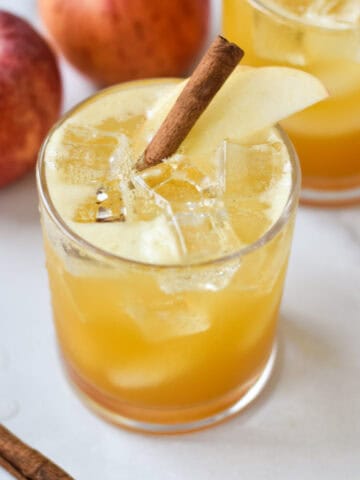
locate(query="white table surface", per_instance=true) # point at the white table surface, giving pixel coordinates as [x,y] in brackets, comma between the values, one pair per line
[306,425]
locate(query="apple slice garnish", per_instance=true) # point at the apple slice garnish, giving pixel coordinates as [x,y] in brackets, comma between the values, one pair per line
[251,100]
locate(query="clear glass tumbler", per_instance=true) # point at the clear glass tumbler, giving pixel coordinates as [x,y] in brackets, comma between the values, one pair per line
[166,348]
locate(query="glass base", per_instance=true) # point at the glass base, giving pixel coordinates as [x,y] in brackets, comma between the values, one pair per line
[224,409]
[330,198]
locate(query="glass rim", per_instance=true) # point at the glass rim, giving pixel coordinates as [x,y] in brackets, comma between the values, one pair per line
[291,18]
[45,200]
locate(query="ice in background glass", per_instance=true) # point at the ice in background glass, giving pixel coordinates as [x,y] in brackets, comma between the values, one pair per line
[321,37]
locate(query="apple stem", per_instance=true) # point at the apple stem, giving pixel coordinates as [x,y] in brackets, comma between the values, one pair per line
[214,68]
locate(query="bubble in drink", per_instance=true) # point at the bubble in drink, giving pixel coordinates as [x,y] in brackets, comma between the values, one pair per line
[101,195]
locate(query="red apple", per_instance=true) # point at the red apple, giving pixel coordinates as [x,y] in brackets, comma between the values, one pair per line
[117,40]
[30,95]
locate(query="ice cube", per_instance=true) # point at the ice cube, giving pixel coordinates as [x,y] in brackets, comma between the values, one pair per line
[330,13]
[258,181]
[143,373]
[318,12]
[349,12]
[153,241]
[180,176]
[278,41]
[212,168]
[285,42]
[84,154]
[192,205]
[206,229]
[167,317]
[151,368]
[324,45]
[87,166]
[177,180]
[140,199]
[193,202]
[107,203]
[341,40]
[212,277]
[142,204]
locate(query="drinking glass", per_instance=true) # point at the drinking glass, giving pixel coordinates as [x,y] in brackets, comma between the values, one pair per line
[326,136]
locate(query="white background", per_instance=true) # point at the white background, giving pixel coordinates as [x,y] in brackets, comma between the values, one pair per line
[306,425]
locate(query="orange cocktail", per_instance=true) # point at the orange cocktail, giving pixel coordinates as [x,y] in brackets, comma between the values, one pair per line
[322,38]
[166,283]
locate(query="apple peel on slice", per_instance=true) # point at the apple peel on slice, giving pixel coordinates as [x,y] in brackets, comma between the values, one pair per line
[251,100]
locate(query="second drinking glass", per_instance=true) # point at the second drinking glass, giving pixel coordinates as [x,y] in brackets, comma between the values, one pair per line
[322,38]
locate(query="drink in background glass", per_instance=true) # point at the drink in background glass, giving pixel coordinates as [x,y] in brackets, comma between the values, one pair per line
[165,284]
[321,37]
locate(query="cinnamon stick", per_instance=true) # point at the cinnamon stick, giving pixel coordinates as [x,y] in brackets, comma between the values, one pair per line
[218,62]
[10,469]
[29,464]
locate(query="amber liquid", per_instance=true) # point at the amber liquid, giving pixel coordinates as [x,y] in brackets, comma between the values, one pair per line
[154,376]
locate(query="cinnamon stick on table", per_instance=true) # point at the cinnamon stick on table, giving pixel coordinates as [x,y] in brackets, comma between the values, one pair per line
[10,469]
[218,62]
[23,462]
